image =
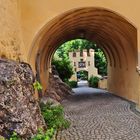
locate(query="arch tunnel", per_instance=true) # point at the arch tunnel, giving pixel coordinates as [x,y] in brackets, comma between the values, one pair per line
[116,36]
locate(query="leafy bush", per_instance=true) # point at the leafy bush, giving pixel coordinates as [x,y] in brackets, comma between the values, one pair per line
[100,62]
[44,136]
[64,68]
[12,135]
[54,116]
[39,136]
[93,81]
[37,86]
[83,75]
[15,136]
[72,84]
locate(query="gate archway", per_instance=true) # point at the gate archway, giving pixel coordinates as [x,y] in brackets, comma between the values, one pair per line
[116,36]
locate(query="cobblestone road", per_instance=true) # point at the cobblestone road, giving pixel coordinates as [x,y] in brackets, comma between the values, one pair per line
[100,116]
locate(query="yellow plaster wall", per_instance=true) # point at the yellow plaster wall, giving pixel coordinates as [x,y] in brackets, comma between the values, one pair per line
[103,84]
[10,32]
[121,85]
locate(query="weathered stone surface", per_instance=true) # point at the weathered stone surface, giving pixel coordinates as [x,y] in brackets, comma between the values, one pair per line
[19,111]
[57,89]
[48,100]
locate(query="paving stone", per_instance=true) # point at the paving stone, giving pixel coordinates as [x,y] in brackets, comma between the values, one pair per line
[100,116]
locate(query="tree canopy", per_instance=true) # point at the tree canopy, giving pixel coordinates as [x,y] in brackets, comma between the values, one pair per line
[63,67]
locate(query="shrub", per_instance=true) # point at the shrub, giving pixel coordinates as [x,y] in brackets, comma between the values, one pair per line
[72,84]
[64,68]
[54,116]
[83,75]
[11,135]
[93,81]
[44,136]
[37,86]
[39,136]
[15,136]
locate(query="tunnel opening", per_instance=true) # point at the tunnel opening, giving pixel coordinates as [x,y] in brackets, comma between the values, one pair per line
[82,75]
[80,61]
[116,36]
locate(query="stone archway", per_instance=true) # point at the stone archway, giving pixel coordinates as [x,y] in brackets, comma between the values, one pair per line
[82,74]
[112,32]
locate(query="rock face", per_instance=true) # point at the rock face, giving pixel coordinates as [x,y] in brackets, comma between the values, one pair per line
[19,111]
[46,100]
[57,89]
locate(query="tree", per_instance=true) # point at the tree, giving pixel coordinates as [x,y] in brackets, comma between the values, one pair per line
[64,68]
[100,62]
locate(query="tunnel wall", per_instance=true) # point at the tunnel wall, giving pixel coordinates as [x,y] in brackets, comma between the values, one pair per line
[124,83]
[34,15]
[10,30]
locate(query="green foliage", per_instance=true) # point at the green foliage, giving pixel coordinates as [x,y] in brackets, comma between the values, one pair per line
[83,75]
[100,62]
[37,86]
[14,136]
[39,136]
[93,81]
[72,84]
[64,68]
[44,136]
[54,116]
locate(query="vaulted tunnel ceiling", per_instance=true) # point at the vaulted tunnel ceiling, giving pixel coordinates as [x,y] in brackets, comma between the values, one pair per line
[115,35]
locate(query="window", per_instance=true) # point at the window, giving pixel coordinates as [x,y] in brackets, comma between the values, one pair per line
[81,64]
[74,63]
[88,63]
[81,53]
[88,53]
[74,54]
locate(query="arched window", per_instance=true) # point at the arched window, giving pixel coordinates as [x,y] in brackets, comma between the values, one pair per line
[74,54]
[81,53]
